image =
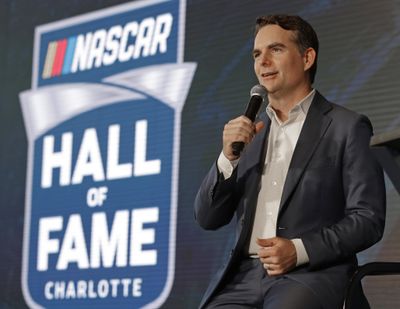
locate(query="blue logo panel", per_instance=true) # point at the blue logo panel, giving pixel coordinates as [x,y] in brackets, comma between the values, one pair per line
[103,126]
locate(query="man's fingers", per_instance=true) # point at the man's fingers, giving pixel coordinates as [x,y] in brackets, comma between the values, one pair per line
[271,259]
[238,133]
[267,266]
[273,270]
[265,242]
[266,246]
[240,129]
[278,255]
[240,126]
[243,119]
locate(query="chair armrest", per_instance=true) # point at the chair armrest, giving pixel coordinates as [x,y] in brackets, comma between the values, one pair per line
[369,269]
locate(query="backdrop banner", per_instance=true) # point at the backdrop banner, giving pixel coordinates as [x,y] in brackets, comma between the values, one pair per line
[103,124]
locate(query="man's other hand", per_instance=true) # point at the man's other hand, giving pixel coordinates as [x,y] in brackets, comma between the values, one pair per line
[278,255]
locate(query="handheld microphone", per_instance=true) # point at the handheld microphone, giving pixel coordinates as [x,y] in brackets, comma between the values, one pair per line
[257,95]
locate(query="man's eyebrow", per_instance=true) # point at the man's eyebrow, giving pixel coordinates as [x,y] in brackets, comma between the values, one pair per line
[270,46]
[255,51]
[276,44]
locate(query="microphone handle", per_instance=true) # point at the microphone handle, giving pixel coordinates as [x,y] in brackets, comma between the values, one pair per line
[237,148]
[251,111]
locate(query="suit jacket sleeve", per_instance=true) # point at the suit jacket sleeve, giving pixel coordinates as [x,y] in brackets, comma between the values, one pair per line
[364,213]
[215,201]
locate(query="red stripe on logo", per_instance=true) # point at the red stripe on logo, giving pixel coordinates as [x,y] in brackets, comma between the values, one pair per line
[59,59]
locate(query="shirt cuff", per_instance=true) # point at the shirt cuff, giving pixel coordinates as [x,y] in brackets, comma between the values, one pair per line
[302,256]
[225,166]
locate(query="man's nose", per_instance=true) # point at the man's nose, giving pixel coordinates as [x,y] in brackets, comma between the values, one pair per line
[265,59]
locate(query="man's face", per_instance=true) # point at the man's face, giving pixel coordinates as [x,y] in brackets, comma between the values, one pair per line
[278,63]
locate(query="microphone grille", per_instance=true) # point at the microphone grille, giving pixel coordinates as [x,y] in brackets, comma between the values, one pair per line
[259,90]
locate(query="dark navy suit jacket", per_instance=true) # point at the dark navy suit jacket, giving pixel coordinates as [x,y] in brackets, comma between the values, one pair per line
[333,199]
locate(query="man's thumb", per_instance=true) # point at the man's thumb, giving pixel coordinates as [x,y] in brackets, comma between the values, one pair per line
[259,126]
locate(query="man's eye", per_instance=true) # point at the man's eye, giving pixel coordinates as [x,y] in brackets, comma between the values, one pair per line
[276,50]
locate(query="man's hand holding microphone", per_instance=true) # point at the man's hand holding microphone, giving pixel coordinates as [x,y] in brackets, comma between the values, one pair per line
[240,131]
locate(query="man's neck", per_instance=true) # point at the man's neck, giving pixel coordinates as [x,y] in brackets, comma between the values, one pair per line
[283,103]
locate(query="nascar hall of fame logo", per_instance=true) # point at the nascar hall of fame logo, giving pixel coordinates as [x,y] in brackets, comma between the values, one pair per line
[103,125]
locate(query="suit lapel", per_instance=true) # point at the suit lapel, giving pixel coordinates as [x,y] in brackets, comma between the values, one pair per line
[260,145]
[255,158]
[313,130]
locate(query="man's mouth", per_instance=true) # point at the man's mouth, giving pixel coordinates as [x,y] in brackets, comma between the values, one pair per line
[268,74]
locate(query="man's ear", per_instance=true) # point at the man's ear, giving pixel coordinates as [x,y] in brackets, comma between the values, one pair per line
[309,58]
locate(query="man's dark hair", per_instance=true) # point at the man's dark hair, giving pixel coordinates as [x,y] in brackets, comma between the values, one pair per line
[305,35]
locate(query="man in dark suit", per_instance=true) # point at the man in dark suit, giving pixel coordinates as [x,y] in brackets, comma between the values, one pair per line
[307,192]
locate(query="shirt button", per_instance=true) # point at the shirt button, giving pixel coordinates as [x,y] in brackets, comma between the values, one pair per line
[274,183]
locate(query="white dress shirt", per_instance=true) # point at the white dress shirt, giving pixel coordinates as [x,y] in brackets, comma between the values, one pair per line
[282,141]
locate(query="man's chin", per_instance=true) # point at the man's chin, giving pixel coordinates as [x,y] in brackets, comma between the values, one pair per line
[270,89]
[269,85]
